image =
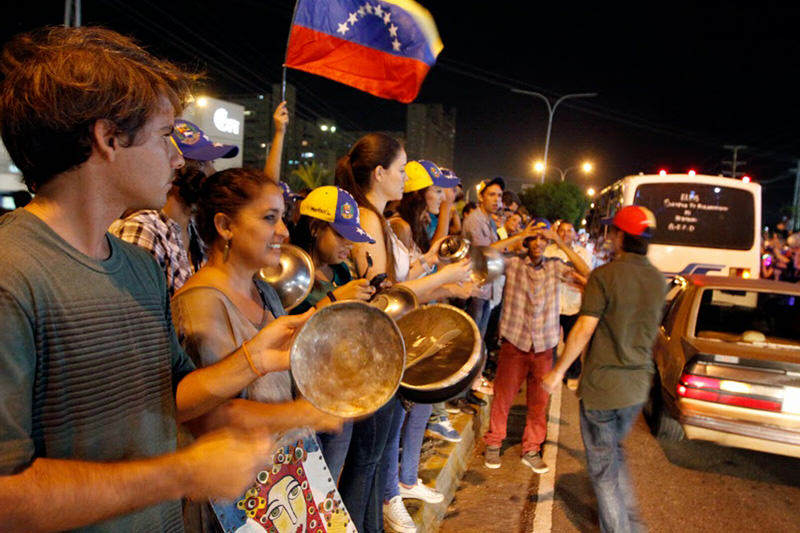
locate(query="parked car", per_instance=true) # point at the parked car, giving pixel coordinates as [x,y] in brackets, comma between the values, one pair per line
[728,364]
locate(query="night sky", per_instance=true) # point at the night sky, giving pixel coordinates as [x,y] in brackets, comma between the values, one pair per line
[675,83]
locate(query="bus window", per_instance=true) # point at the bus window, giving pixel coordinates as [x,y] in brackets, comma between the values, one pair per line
[698,214]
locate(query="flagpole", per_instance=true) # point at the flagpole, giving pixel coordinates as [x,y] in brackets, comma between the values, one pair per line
[286,53]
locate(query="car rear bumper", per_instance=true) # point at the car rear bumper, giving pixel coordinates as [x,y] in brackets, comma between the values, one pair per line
[736,426]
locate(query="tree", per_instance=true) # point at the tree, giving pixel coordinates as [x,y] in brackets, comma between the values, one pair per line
[311,176]
[559,200]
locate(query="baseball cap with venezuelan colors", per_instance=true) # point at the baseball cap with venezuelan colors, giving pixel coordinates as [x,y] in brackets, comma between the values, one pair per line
[195,144]
[634,220]
[339,208]
[424,173]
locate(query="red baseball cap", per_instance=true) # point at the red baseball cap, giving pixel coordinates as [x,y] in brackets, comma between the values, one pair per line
[634,220]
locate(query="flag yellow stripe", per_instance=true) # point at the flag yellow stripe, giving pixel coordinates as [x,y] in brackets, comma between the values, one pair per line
[425,21]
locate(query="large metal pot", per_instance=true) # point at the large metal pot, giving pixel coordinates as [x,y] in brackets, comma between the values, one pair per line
[443,353]
[488,263]
[348,358]
[293,278]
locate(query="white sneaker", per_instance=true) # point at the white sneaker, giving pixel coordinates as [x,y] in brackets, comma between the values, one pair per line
[396,516]
[422,492]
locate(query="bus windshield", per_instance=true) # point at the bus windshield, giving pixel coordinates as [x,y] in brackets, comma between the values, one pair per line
[695,214]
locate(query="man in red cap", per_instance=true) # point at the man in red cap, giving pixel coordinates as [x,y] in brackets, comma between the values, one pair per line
[620,314]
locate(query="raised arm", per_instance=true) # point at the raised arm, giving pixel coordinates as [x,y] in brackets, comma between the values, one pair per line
[272,168]
[576,260]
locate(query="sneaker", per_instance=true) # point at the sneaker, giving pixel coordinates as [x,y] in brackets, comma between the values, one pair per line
[491,457]
[535,462]
[442,429]
[422,492]
[460,405]
[396,517]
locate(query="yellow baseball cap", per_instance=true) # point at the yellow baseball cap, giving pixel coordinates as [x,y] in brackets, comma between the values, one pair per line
[339,208]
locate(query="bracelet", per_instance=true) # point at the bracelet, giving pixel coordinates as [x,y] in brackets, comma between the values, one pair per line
[331,296]
[250,360]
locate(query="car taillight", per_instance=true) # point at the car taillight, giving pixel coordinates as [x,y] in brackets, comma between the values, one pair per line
[727,392]
[739,272]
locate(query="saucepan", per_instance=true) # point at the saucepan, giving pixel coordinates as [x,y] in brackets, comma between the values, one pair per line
[348,358]
[443,352]
[292,278]
[487,263]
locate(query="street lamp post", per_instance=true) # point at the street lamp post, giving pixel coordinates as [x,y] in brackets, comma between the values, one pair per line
[551,109]
[541,167]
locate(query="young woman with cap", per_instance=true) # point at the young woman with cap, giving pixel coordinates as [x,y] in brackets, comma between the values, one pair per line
[373,172]
[328,227]
[417,224]
[224,305]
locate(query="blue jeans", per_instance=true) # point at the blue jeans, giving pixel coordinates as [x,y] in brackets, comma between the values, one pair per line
[412,434]
[334,448]
[479,309]
[362,481]
[602,433]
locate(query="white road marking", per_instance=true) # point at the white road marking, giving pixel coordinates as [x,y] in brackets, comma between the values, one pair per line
[543,512]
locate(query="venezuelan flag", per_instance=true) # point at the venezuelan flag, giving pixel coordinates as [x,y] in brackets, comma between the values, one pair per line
[383,47]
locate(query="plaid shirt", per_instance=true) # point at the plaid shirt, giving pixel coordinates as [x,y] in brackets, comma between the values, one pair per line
[161,236]
[531,303]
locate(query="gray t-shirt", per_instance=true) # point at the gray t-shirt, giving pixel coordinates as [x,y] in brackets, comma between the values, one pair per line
[89,361]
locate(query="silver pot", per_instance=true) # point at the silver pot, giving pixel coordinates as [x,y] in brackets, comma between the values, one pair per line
[487,263]
[443,352]
[293,278]
[348,359]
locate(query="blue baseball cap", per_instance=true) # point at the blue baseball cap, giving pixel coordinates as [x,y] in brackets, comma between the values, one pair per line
[451,177]
[337,207]
[424,173]
[195,144]
[539,223]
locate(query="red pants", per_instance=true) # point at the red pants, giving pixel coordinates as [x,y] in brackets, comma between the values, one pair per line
[514,366]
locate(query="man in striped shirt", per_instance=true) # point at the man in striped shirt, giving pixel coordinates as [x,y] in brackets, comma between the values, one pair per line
[92,378]
[529,329]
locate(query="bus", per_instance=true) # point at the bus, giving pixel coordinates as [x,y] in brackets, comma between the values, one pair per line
[704,224]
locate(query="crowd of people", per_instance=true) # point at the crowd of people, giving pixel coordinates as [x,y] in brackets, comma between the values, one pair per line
[780,254]
[142,395]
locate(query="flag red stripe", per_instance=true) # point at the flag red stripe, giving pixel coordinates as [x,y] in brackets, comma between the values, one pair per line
[376,72]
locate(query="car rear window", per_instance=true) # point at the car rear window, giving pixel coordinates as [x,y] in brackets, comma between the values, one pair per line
[697,214]
[749,316]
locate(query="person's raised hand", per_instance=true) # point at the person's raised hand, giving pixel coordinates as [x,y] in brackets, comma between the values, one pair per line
[457,272]
[281,117]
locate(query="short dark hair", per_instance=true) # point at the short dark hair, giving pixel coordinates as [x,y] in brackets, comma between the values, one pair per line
[634,244]
[58,82]
[510,197]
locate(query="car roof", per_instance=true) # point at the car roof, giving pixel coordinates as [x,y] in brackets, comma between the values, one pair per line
[730,282]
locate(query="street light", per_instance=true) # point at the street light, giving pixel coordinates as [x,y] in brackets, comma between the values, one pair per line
[541,169]
[590,192]
[551,109]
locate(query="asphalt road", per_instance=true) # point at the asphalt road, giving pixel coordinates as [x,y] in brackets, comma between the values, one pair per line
[685,486]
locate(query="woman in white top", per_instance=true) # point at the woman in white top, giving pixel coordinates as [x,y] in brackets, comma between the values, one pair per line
[373,172]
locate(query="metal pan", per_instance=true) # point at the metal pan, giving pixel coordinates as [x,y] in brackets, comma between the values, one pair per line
[443,352]
[395,301]
[348,358]
[293,278]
